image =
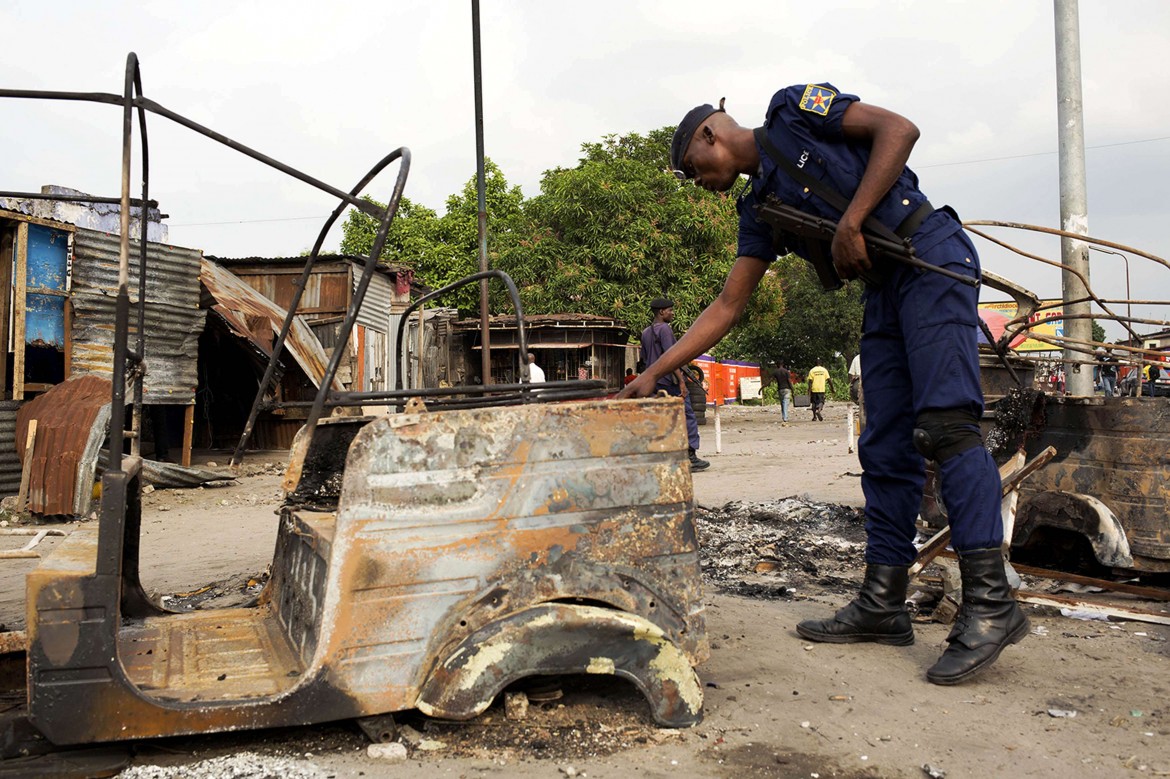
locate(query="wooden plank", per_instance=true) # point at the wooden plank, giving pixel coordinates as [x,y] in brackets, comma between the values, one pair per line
[1011,473]
[931,549]
[20,303]
[1150,593]
[26,466]
[16,216]
[1131,613]
[188,434]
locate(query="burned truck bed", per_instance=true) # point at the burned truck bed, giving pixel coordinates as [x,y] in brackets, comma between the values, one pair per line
[1109,481]
[467,549]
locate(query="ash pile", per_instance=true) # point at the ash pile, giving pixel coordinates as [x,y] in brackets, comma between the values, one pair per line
[777,548]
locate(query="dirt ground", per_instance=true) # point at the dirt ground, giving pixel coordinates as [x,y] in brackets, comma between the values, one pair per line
[1076,698]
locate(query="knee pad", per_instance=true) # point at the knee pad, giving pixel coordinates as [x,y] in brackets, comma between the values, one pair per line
[940,435]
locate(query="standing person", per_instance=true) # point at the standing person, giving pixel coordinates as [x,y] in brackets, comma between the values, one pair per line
[783,390]
[1150,374]
[919,346]
[817,378]
[535,372]
[630,376]
[1107,372]
[656,340]
[855,378]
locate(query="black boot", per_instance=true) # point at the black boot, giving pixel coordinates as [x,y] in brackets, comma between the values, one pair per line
[878,613]
[698,463]
[988,620]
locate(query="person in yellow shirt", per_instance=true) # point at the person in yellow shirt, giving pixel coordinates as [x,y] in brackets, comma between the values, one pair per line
[818,377]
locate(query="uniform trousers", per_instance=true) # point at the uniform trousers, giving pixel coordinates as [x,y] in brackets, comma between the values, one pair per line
[919,348]
[672,388]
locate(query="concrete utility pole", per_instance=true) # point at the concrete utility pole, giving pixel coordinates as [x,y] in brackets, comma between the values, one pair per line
[484,330]
[1074,208]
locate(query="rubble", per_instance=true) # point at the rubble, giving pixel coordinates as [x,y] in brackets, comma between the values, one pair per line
[773,549]
[243,765]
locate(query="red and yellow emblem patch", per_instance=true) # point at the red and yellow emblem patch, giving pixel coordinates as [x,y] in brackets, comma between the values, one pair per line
[817,99]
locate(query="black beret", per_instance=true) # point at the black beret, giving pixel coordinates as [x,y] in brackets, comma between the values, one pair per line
[660,303]
[686,129]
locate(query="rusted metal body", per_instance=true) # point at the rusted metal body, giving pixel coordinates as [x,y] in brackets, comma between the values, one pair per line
[72,418]
[467,549]
[1109,481]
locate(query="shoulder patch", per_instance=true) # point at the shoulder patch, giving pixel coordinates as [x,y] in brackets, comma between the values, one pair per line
[817,99]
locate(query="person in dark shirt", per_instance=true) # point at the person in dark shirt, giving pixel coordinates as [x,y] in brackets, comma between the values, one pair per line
[783,390]
[656,339]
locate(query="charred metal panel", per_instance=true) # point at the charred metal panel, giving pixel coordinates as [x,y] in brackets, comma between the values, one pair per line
[563,530]
[454,519]
[555,639]
[315,479]
[304,548]
[173,317]
[1118,451]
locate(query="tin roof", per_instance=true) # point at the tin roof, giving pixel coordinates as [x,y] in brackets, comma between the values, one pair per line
[237,303]
[235,262]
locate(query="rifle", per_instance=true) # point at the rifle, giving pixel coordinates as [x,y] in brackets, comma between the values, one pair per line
[817,235]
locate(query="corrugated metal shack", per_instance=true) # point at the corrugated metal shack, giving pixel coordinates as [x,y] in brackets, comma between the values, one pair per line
[367,365]
[567,347]
[56,319]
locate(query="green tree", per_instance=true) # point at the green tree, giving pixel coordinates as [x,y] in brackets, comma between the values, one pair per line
[616,231]
[1098,333]
[813,324]
[443,249]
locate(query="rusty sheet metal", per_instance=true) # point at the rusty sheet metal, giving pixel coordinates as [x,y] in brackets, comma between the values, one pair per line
[326,291]
[564,532]
[240,305]
[1111,451]
[173,317]
[66,417]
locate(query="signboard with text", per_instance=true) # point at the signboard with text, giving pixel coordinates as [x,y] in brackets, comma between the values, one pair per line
[1046,322]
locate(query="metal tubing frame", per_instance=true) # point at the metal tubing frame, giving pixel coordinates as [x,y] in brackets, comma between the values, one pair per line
[111,540]
[513,293]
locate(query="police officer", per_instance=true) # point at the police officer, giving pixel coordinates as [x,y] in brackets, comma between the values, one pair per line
[657,338]
[922,391]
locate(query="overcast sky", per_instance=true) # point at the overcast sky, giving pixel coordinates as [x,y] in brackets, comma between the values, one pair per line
[332,88]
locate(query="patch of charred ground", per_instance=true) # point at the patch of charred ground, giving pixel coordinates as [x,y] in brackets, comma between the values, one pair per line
[776,549]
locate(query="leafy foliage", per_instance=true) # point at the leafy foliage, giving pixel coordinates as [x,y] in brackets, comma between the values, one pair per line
[811,328]
[443,249]
[607,236]
[616,231]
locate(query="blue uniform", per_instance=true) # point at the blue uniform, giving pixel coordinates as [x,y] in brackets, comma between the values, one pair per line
[656,339]
[919,334]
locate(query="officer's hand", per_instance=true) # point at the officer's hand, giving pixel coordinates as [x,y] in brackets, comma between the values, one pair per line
[849,254]
[641,387]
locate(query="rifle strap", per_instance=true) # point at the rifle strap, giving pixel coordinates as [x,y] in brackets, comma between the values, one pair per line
[838,201]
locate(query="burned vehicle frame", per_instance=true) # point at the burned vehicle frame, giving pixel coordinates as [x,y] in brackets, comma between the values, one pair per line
[425,559]
[1106,489]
